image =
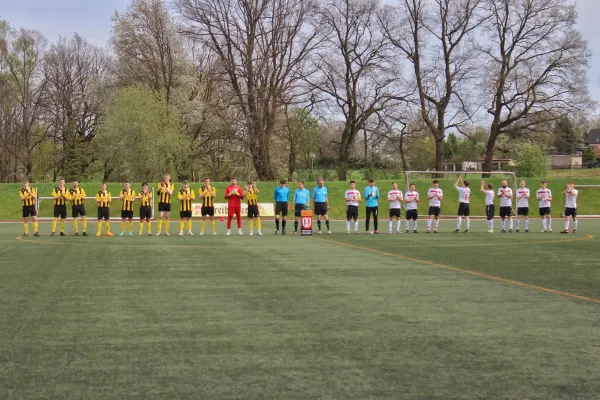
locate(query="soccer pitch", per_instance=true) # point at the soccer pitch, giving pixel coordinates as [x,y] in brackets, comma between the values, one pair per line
[411,316]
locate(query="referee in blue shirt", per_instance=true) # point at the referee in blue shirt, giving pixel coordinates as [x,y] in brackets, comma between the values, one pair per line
[281,196]
[301,202]
[321,204]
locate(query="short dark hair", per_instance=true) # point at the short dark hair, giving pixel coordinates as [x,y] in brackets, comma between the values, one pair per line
[282,182]
[144,184]
[233,177]
[249,182]
[466,183]
[206,179]
[61,179]
[74,180]
[436,181]
[544,182]
[371,180]
[352,182]
[412,184]
[302,182]
[186,181]
[128,182]
[490,186]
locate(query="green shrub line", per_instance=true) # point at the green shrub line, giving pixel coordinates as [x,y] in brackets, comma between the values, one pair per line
[589,198]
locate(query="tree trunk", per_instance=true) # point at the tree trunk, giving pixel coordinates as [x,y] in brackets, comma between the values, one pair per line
[292,160]
[261,159]
[489,152]
[343,167]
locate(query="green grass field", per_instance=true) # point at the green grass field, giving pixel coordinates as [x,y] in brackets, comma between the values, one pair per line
[411,316]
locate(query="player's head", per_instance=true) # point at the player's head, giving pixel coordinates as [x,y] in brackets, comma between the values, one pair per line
[320,182]
[233,180]
[145,187]
[207,181]
[75,183]
[352,185]
[301,185]
[436,184]
[26,184]
[465,183]
[395,185]
[571,185]
[103,186]
[186,184]
[504,184]
[127,185]
[412,187]
[490,186]
[282,183]
[544,183]
[522,184]
[61,182]
[166,178]
[371,182]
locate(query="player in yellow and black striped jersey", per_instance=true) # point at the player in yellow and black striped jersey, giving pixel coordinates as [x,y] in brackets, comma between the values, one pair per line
[77,197]
[28,197]
[185,197]
[127,197]
[103,199]
[165,191]
[145,197]
[207,194]
[60,196]
[252,202]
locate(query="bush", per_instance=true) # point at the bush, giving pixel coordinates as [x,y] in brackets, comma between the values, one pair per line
[531,161]
[589,155]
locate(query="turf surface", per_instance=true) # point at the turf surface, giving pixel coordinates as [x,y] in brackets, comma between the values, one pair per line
[409,316]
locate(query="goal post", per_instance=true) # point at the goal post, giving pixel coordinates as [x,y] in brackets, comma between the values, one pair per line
[424,181]
[45,207]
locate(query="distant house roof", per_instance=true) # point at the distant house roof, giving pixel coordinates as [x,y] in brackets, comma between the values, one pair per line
[593,136]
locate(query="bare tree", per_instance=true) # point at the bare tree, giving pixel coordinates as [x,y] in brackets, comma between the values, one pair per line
[262,46]
[536,63]
[435,36]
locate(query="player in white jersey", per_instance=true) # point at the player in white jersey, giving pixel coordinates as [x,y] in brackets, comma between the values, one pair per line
[523,205]
[570,207]
[352,197]
[489,204]
[544,196]
[395,198]
[411,199]
[435,196]
[505,194]
[464,200]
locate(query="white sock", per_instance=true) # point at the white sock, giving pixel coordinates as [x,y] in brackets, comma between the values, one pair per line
[398,225]
[407,224]
[468,223]
[415,224]
[490,225]
[518,224]
[355,226]
[458,222]
[550,223]
[574,224]
[544,223]
[429,223]
[390,224]
[510,224]
[567,225]
[527,223]
[503,224]
[347,226]
[437,223]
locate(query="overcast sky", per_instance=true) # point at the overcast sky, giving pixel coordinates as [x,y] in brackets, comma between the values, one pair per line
[91,20]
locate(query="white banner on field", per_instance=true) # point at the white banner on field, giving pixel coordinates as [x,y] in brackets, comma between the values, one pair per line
[265,209]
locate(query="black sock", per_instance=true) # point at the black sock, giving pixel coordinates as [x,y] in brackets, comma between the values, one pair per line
[375,222]
[295,226]
[277,223]
[319,224]
[327,223]
[283,224]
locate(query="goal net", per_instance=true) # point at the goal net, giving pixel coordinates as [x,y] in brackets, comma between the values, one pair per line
[424,181]
[45,207]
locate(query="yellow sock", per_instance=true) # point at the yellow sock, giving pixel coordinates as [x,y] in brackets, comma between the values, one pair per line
[99,227]
[130,226]
[83,224]
[202,226]
[35,227]
[149,226]
[107,224]
[26,226]
[258,224]
[181,224]
[122,226]
[62,225]
[251,224]
[214,225]
[167,224]
[54,224]
[76,225]
[189,225]
[141,227]
[160,225]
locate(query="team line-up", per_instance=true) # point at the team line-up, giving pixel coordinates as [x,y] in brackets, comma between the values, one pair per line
[234,194]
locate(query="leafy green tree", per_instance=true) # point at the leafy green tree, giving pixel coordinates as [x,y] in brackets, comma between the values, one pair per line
[589,155]
[532,161]
[302,129]
[450,146]
[566,137]
[141,137]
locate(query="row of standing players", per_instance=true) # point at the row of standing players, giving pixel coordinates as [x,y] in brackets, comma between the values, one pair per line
[234,194]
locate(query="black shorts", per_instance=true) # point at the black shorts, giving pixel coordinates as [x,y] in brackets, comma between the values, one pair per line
[126,214]
[103,213]
[523,211]
[185,214]
[490,211]
[464,209]
[29,211]
[545,211]
[77,211]
[394,212]
[60,211]
[145,212]
[505,212]
[435,211]
[352,212]
[165,207]
[321,209]
[571,212]
[208,211]
[298,209]
[253,211]
[281,207]
[412,214]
